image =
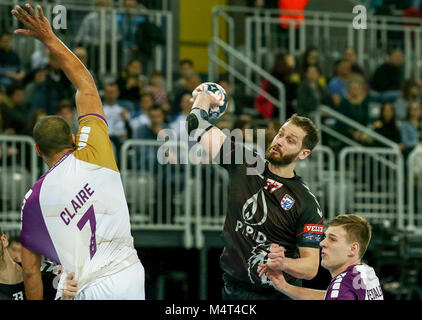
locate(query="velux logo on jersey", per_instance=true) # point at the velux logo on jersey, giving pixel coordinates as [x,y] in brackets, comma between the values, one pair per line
[287,202]
[314,228]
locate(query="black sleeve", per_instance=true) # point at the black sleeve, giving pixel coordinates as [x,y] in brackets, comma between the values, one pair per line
[234,154]
[309,229]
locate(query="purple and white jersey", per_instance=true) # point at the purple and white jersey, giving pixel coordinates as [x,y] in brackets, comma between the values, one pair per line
[76,214]
[358,282]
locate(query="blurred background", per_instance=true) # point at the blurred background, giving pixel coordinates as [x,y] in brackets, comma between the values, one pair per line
[274,58]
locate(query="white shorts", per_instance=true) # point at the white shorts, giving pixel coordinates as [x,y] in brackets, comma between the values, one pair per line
[127,284]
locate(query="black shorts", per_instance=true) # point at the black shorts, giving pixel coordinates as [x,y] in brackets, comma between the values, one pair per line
[235,290]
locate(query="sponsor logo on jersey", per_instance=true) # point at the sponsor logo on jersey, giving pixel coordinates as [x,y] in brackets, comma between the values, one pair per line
[287,202]
[312,237]
[314,228]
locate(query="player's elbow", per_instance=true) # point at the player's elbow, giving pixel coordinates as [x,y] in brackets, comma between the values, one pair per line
[311,272]
[30,271]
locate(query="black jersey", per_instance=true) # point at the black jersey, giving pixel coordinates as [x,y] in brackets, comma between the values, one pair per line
[12,291]
[49,278]
[264,208]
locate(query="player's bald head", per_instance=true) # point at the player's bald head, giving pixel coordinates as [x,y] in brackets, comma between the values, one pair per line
[52,135]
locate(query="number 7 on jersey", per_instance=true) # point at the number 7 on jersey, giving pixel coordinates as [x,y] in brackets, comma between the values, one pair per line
[90,216]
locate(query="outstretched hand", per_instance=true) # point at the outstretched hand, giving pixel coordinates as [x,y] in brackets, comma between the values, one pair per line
[37,25]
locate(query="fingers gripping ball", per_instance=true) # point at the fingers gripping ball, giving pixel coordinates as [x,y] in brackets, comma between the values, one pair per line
[218,93]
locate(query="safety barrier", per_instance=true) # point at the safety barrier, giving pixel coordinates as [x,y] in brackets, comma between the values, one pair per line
[237,58]
[258,33]
[192,198]
[414,187]
[18,171]
[372,184]
[159,195]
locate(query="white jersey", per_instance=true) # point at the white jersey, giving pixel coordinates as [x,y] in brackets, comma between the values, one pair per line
[76,214]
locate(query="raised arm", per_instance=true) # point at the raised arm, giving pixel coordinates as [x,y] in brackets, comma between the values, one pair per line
[87,97]
[211,138]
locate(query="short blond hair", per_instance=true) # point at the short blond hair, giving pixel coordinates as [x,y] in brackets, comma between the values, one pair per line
[357,229]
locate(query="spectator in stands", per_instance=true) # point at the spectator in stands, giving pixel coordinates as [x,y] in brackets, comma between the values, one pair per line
[117,117]
[34,117]
[11,70]
[337,86]
[244,123]
[56,88]
[311,58]
[355,106]
[351,56]
[127,24]
[36,89]
[273,126]
[157,88]
[179,122]
[157,123]
[310,93]
[66,110]
[284,71]
[388,77]
[15,248]
[411,128]
[231,106]
[387,125]
[82,55]
[14,110]
[148,36]
[186,68]
[39,59]
[131,82]
[89,34]
[410,91]
[141,116]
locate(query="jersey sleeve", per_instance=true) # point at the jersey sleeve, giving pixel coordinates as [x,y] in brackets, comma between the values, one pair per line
[342,289]
[93,143]
[233,154]
[310,230]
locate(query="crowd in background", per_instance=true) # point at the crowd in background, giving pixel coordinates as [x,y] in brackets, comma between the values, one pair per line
[138,106]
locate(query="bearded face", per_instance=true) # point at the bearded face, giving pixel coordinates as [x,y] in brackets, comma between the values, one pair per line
[276,157]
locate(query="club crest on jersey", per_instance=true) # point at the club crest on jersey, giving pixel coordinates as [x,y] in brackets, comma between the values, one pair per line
[287,202]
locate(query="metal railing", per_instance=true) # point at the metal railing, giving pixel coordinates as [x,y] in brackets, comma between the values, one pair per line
[259,29]
[107,53]
[193,198]
[18,171]
[372,188]
[414,188]
[332,38]
[159,195]
[318,172]
[234,55]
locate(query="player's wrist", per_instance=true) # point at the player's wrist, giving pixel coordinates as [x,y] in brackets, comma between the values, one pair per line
[202,101]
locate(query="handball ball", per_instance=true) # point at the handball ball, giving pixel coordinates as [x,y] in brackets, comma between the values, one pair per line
[217,92]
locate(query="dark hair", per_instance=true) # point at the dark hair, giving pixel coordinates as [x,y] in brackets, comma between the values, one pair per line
[10,90]
[147,94]
[15,239]
[407,118]
[52,135]
[64,104]
[406,86]
[156,107]
[186,61]
[312,134]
